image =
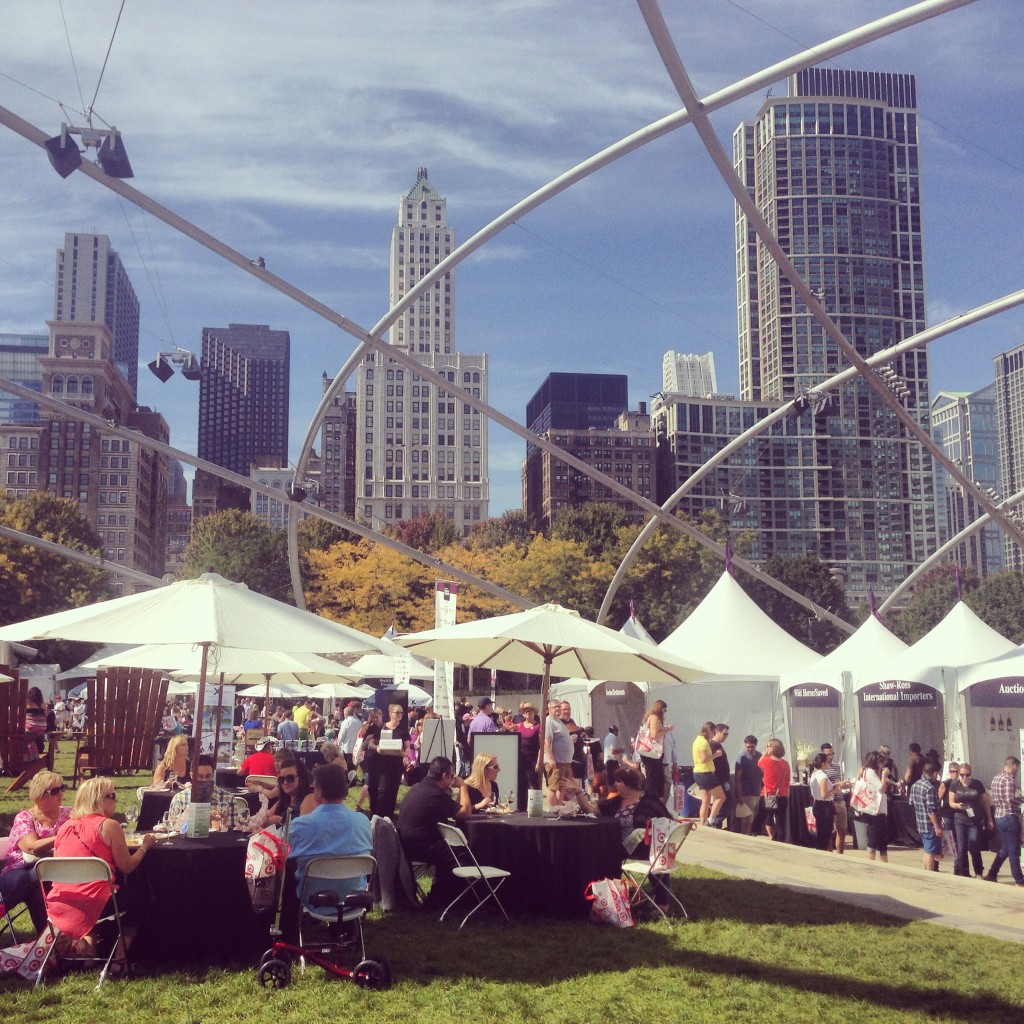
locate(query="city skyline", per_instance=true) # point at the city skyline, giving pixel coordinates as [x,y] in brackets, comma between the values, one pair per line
[605,278]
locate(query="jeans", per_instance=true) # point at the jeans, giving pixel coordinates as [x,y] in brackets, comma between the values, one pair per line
[19,885]
[1009,848]
[966,842]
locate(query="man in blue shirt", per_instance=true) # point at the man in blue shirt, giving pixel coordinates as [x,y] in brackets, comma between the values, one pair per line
[330,829]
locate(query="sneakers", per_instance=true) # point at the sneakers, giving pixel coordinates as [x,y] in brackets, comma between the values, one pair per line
[987,878]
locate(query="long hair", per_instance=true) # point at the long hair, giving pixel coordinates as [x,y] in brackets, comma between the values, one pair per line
[171,753]
[658,708]
[478,776]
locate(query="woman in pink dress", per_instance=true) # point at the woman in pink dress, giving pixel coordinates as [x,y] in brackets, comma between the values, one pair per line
[91,831]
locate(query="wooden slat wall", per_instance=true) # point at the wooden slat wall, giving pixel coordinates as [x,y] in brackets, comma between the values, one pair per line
[125,706]
[12,720]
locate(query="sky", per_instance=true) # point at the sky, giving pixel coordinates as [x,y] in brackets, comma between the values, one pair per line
[291,131]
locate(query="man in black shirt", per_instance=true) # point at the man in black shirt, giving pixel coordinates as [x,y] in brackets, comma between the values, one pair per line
[424,807]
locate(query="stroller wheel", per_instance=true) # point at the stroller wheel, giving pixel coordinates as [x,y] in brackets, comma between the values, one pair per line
[372,974]
[275,973]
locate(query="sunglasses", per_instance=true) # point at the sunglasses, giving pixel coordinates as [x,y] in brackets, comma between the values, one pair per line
[965,775]
[493,767]
[109,796]
[55,791]
[287,778]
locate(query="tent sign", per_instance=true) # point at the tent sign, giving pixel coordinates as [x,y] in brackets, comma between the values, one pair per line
[1007,692]
[813,695]
[615,693]
[900,692]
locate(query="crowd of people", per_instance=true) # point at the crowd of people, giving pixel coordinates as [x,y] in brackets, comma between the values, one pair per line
[631,779]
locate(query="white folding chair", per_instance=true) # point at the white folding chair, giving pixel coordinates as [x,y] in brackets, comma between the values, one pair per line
[6,916]
[264,781]
[640,874]
[476,876]
[78,871]
[322,874]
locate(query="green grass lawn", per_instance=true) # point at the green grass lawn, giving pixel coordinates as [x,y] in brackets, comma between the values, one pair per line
[750,952]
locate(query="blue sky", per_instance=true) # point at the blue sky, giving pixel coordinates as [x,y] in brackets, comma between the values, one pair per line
[290,131]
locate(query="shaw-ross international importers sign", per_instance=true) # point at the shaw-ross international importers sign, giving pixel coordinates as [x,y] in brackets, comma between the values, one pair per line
[898,693]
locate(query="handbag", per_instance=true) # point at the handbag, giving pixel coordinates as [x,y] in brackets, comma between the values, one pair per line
[610,903]
[663,852]
[646,746]
[264,859]
[771,801]
[865,798]
[812,821]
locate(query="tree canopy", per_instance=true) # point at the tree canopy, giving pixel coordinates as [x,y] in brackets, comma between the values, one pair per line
[241,547]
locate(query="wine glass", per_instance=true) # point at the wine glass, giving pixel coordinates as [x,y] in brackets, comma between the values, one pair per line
[131,816]
[242,817]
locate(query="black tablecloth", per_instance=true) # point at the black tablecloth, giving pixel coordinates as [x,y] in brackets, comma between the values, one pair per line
[228,778]
[190,901]
[551,861]
[903,823]
[797,831]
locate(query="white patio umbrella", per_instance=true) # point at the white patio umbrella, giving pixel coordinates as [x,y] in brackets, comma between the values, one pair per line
[553,641]
[207,612]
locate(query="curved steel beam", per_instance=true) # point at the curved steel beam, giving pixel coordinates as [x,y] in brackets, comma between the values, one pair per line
[85,557]
[973,316]
[950,545]
[247,482]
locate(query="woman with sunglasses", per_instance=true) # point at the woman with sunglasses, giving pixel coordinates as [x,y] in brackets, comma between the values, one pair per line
[294,792]
[32,834]
[972,812]
[481,788]
[91,831]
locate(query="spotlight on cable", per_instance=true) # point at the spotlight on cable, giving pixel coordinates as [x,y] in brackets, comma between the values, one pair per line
[113,158]
[190,368]
[63,154]
[162,369]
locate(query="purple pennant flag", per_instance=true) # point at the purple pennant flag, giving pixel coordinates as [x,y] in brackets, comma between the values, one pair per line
[728,558]
[632,610]
[871,605]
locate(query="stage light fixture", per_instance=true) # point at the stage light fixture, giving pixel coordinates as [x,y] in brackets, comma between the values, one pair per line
[162,369]
[113,158]
[64,155]
[190,368]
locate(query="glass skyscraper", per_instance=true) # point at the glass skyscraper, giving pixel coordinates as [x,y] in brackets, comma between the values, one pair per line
[833,168]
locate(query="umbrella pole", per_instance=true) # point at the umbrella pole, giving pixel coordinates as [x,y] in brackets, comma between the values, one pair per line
[545,689]
[216,726]
[197,726]
[266,706]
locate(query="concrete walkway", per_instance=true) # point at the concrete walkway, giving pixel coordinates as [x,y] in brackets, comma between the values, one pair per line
[901,888]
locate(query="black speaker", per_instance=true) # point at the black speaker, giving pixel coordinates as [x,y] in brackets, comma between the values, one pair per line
[64,155]
[162,369]
[113,158]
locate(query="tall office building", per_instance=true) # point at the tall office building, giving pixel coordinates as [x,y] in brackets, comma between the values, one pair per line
[337,489]
[19,361]
[120,486]
[833,168]
[421,448]
[93,287]
[243,397]
[964,424]
[689,374]
[1009,395]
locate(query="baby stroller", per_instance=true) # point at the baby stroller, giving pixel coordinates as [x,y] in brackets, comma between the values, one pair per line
[343,915]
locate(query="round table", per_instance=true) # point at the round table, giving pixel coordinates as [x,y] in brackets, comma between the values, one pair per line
[551,860]
[190,901]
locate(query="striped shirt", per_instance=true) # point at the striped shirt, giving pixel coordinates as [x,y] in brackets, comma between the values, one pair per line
[924,797]
[1002,793]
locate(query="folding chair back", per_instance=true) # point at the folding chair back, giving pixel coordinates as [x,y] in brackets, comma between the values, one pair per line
[77,871]
[477,876]
[667,836]
[264,780]
[322,874]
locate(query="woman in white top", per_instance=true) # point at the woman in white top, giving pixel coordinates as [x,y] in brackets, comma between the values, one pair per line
[876,775]
[822,793]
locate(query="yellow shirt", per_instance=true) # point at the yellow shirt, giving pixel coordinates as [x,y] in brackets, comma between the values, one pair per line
[301,716]
[708,765]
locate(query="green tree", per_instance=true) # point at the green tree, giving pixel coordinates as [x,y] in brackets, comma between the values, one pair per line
[38,582]
[511,527]
[930,601]
[999,600]
[594,525]
[241,547]
[809,576]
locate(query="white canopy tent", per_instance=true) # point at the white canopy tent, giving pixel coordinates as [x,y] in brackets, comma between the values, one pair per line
[992,696]
[819,701]
[914,696]
[745,652]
